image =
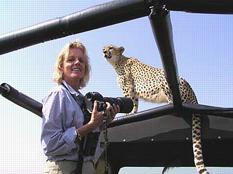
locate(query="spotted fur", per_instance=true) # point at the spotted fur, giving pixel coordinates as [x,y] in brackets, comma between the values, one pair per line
[138,80]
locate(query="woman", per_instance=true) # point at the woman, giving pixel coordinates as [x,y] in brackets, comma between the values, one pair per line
[63,119]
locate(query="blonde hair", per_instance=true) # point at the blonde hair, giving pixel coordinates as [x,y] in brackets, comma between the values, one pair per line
[58,74]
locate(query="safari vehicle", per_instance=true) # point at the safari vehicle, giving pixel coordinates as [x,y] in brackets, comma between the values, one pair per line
[163,133]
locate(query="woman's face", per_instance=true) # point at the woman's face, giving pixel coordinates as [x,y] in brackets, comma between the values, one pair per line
[73,66]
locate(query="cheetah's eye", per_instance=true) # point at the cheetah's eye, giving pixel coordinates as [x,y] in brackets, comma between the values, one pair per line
[111,48]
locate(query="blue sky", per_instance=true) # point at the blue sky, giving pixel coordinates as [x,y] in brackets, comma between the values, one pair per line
[203,45]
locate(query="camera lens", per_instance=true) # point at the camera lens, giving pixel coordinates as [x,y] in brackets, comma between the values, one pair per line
[125,104]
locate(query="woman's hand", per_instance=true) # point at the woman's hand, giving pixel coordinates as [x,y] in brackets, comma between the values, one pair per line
[98,117]
[111,111]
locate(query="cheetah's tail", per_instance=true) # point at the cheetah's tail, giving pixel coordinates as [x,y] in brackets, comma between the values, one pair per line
[197,146]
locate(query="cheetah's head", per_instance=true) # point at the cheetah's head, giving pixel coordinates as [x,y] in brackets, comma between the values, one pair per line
[112,53]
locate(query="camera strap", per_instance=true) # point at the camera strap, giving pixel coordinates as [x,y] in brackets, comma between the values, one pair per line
[105,131]
[80,101]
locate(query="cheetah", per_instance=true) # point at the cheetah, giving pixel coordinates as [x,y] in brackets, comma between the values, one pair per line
[138,80]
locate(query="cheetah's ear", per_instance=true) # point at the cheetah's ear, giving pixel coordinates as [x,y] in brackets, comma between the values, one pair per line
[122,49]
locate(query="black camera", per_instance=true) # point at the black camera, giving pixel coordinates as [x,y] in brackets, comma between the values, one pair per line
[125,104]
[91,140]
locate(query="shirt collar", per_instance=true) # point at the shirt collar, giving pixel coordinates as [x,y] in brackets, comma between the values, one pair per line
[71,90]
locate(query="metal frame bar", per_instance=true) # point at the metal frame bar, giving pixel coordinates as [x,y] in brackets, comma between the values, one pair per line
[200,6]
[3,89]
[162,30]
[103,15]
[21,99]
[100,16]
